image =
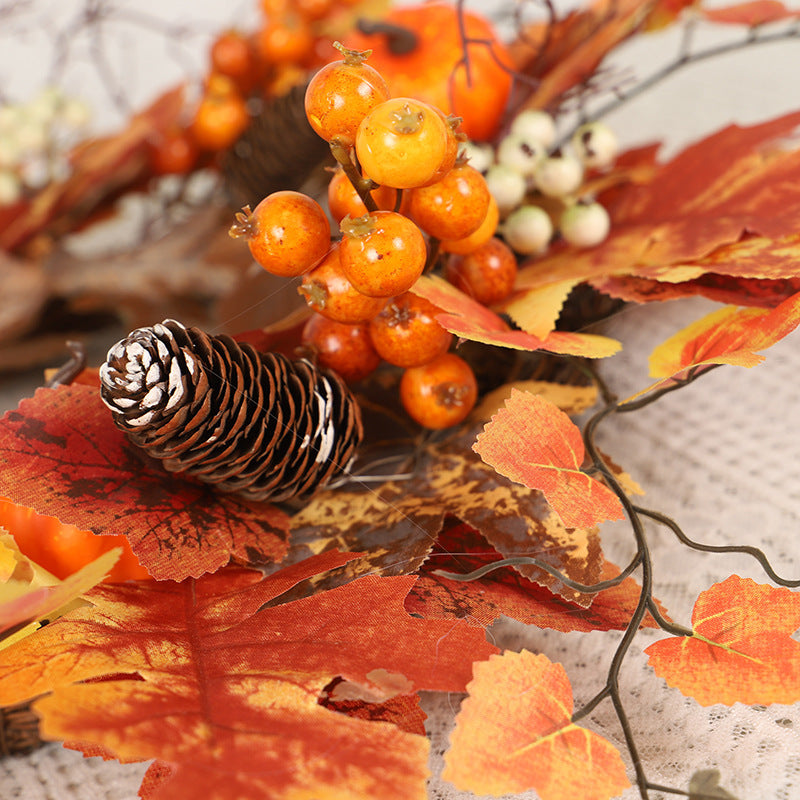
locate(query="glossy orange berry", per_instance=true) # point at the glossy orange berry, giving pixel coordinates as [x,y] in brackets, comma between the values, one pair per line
[287,232]
[232,54]
[172,152]
[346,349]
[341,94]
[313,9]
[220,119]
[402,143]
[453,207]
[486,274]
[344,200]
[405,333]
[469,244]
[382,253]
[440,393]
[328,292]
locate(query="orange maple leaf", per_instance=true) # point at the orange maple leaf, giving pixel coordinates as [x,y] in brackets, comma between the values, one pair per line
[730,335]
[757,12]
[228,693]
[64,457]
[468,319]
[514,733]
[741,648]
[531,441]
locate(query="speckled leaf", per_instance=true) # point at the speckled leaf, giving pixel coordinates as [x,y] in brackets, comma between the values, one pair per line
[64,457]
[505,592]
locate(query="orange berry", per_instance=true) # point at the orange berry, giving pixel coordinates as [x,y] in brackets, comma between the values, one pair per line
[286,39]
[341,94]
[469,244]
[220,120]
[329,293]
[440,393]
[313,9]
[486,274]
[172,152]
[344,200]
[454,207]
[232,55]
[402,143]
[288,232]
[382,254]
[405,333]
[346,349]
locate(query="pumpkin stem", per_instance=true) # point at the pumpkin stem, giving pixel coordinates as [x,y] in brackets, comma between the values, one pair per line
[400,41]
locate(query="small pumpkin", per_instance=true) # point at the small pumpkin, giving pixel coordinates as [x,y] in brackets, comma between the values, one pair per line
[419,51]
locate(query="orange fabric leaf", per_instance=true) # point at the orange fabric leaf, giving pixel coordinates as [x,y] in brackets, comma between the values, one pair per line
[513,733]
[741,650]
[228,693]
[64,457]
[757,12]
[505,592]
[468,319]
[533,442]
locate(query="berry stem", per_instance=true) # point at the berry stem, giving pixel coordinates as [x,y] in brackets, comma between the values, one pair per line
[362,185]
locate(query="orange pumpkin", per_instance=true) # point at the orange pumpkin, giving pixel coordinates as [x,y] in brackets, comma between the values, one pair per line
[433,70]
[63,549]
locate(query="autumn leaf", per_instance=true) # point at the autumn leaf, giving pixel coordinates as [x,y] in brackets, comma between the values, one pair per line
[65,458]
[569,398]
[537,310]
[741,648]
[693,216]
[396,522]
[229,694]
[729,335]
[23,602]
[468,319]
[505,592]
[533,442]
[758,12]
[514,733]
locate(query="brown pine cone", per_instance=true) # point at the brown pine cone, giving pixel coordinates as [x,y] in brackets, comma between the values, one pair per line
[257,424]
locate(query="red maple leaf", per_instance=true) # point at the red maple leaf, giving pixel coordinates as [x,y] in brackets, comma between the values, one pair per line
[65,458]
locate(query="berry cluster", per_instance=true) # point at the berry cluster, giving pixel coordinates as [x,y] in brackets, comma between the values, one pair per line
[243,68]
[538,188]
[401,193]
[34,138]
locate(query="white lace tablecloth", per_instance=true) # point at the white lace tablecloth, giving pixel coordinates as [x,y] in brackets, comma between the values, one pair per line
[721,458]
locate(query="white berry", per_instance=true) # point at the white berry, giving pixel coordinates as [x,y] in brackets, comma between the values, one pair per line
[507,187]
[521,153]
[585,224]
[74,113]
[528,230]
[10,188]
[535,124]
[559,175]
[481,156]
[596,144]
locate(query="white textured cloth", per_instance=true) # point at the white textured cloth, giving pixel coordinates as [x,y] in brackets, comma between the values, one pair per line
[721,458]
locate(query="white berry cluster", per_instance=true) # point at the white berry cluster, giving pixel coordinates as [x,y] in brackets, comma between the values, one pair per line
[533,183]
[33,141]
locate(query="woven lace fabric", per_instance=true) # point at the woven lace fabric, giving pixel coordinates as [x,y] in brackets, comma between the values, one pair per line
[720,457]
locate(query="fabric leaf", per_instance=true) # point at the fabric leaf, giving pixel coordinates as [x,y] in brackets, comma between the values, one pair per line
[741,649]
[534,443]
[514,733]
[228,694]
[65,458]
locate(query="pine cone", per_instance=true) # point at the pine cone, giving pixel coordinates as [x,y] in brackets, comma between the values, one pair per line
[257,424]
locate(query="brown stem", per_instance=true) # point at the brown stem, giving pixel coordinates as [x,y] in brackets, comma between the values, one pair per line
[400,40]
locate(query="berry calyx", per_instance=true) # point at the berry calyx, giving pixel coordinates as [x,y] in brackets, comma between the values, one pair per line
[287,232]
[382,253]
[441,393]
[405,333]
